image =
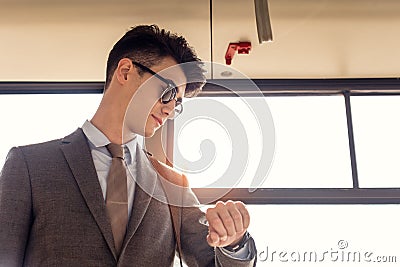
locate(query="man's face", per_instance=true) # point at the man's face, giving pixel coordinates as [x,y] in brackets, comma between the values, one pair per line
[146,113]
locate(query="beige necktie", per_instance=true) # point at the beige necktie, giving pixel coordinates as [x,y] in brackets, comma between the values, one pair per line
[117,195]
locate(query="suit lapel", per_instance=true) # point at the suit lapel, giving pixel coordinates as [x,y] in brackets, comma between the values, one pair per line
[150,185]
[77,153]
[146,181]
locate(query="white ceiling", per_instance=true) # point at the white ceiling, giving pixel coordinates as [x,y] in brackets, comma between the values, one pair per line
[69,40]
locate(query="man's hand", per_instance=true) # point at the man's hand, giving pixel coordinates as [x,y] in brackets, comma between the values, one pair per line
[227,223]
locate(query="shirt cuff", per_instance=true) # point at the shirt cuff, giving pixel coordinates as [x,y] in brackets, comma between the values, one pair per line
[242,254]
[245,252]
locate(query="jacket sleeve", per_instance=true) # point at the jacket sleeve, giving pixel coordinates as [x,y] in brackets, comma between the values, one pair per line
[15,209]
[195,249]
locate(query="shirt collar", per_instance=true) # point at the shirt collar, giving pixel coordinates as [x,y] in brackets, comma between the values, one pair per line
[98,139]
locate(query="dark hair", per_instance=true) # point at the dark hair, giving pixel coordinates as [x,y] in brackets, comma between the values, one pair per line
[148,45]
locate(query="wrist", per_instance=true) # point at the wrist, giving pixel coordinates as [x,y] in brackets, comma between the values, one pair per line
[236,246]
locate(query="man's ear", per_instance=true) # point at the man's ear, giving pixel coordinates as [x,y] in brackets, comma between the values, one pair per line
[124,67]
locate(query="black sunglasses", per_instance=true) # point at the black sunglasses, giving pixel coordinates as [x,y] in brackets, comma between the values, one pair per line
[169,93]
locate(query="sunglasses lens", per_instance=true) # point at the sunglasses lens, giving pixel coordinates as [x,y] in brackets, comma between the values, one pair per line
[178,109]
[168,94]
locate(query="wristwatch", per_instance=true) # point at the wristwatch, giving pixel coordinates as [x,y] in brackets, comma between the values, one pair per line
[239,245]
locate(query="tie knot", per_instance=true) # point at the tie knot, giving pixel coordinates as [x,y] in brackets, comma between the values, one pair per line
[116,151]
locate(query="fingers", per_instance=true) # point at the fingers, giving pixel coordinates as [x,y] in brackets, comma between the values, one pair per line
[236,216]
[244,213]
[227,223]
[213,239]
[216,224]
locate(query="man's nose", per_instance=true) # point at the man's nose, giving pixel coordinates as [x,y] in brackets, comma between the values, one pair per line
[169,107]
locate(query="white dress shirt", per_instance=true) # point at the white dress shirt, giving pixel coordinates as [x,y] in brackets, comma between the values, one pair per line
[102,159]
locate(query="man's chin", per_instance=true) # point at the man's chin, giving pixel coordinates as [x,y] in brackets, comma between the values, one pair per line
[150,133]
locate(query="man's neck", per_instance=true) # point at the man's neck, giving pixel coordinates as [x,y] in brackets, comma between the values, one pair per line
[112,130]
[110,115]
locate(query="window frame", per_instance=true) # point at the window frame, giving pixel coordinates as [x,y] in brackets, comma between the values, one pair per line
[273,88]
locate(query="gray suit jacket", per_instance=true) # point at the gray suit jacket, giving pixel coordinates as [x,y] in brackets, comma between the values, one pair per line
[52,213]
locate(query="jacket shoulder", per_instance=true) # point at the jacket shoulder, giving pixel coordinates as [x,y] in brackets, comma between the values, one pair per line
[169,173]
[50,150]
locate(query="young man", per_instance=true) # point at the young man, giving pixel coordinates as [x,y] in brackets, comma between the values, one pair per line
[61,203]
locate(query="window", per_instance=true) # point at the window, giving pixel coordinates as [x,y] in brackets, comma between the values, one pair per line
[33,118]
[377,142]
[310,142]
[314,161]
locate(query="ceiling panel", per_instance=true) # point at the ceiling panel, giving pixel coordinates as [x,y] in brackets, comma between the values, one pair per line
[54,40]
[312,38]
[70,40]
